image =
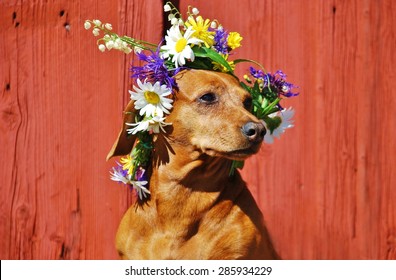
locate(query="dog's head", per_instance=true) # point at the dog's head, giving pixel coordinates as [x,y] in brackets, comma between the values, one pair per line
[211,113]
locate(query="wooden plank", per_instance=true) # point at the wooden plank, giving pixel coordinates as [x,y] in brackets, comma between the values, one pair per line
[61,104]
[326,187]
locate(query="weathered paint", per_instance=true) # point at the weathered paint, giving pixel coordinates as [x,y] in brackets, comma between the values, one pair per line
[327,187]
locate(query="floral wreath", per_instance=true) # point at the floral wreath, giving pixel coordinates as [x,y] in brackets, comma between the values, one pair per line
[194,43]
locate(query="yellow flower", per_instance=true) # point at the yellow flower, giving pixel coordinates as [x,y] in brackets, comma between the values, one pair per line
[221,68]
[234,40]
[127,164]
[200,26]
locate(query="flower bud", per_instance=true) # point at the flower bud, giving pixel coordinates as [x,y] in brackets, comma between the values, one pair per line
[247,79]
[127,50]
[97,22]
[96,31]
[87,25]
[137,50]
[167,8]
[102,47]
[174,21]
[195,11]
[213,25]
[109,45]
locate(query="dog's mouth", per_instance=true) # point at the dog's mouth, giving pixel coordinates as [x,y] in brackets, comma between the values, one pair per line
[237,154]
[242,154]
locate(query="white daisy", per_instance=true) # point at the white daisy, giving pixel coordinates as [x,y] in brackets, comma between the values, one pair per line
[140,188]
[151,99]
[157,123]
[152,124]
[286,122]
[139,126]
[178,45]
[119,175]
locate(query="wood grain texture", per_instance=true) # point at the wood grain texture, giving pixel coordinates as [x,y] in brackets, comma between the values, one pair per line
[61,105]
[327,187]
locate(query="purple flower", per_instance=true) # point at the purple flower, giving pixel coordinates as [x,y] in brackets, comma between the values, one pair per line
[256,73]
[276,82]
[141,174]
[220,39]
[154,69]
[142,180]
[119,175]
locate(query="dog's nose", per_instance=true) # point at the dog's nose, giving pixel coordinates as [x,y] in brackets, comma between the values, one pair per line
[254,131]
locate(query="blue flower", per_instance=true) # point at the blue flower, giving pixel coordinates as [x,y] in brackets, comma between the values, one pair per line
[220,39]
[154,69]
[141,174]
[276,82]
[258,74]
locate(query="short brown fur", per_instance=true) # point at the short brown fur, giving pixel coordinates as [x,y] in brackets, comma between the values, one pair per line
[196,209]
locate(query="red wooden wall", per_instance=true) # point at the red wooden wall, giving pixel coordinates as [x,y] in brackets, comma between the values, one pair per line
[327,187]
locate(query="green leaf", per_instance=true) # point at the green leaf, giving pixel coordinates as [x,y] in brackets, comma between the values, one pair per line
[213,55]
[269,109]
[245,87]
[200,63]
[272,123]
[236,164]
[264,102]
[256,87]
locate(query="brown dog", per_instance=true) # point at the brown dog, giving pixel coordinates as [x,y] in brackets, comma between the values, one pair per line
[197,210]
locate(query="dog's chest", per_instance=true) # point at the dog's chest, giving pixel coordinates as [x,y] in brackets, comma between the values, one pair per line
[200,239]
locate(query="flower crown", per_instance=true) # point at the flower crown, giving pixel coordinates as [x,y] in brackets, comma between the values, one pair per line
[194,43]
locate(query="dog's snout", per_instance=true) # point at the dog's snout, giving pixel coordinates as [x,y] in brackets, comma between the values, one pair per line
[254,131]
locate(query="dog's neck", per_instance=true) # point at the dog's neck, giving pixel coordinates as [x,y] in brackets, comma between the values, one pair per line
[189,179]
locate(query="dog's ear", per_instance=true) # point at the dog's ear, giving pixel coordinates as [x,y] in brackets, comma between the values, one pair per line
[124,142]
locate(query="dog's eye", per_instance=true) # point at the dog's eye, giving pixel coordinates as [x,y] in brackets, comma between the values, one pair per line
[208,98]
[247,103]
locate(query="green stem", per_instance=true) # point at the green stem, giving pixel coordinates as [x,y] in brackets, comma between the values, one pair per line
[234,165]
[236,61]
[174,10]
